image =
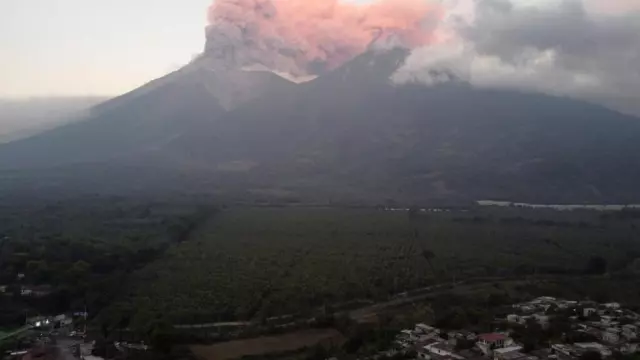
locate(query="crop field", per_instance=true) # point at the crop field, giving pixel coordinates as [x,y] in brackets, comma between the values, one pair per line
[268,344]
[254,263]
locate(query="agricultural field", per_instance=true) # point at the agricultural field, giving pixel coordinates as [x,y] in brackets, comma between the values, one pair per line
[256,263]
[269,344]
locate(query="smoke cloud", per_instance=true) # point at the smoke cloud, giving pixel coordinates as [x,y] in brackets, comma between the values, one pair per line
[588,49]
[305,37]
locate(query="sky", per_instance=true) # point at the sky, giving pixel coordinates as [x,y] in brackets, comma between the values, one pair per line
[94,47]
[584,49]
[91,47]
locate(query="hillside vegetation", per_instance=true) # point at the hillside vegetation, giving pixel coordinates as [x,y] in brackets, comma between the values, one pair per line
[255,263]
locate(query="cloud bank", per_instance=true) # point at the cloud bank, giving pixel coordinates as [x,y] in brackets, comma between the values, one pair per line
[587,49]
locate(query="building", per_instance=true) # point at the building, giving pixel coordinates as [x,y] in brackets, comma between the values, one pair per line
[408,336]
[612,305]
[508,353]
[462,335]
[629,348]
[38,321]
[610,335]
[586,312]
[513,318]
[629,331]
[491,341]
[564,352]
[593,346]
[426,329]
[542,319]
[441,350]
[63,320]
[36,291]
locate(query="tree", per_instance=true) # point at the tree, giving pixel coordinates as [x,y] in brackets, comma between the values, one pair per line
[429,255]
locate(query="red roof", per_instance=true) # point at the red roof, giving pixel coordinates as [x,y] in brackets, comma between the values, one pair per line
[492,337]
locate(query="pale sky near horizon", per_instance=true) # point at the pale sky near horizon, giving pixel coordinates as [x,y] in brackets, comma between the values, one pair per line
[91,47]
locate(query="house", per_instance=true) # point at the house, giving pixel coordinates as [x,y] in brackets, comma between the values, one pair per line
[426,329]
[541,354]
[3,289]
[629,348]
[491,341]
[462,335]
[610,335]
[508,353]
[565,304]
[544,300]
[408,336]
[36,291]
[420,348]
[564,352]
[513,318]
[612,305]
[586,312]
[592,332]
[606,320]
[593,346]
[38,321]
[63,320]
[629,331]
[441,350]
[456,338]
[542,319]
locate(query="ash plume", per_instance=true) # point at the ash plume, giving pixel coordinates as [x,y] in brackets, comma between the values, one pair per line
[304,37]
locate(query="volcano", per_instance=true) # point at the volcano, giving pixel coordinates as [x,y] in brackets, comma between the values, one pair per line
[350,135]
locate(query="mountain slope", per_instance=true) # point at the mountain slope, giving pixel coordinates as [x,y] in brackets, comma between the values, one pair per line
[354,133]
[144,119]
[348,135]
[26,117]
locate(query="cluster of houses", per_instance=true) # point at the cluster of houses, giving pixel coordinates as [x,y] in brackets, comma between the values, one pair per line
[609,327]
[608,330]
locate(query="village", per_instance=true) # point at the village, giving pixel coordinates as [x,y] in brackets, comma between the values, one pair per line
[589,331]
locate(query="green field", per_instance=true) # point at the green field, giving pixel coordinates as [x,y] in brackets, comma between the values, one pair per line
[253,263]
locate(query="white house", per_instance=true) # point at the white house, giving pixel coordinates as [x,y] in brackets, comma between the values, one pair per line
[491,341]
[603,350]
[612,305]
[442,349]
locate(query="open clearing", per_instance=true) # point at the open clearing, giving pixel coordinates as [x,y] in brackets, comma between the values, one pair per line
[267,344]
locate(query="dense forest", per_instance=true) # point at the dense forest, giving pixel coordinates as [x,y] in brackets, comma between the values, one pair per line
[257,263]
[57,257]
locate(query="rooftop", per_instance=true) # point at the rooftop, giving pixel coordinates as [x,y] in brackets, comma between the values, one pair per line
[508,349]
